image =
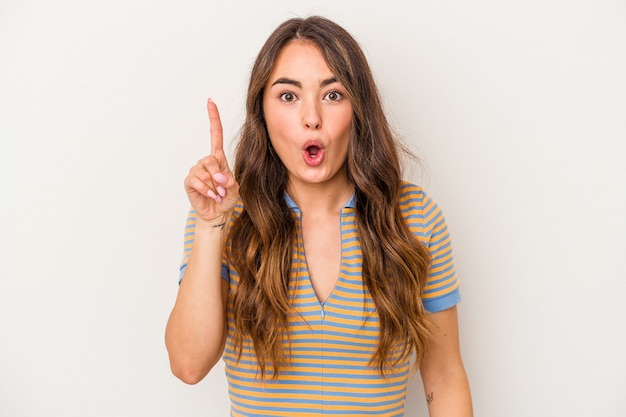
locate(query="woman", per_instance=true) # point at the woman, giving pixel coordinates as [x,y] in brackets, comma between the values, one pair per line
[313,270]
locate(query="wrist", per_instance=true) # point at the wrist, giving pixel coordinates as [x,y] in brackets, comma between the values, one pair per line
[219,223]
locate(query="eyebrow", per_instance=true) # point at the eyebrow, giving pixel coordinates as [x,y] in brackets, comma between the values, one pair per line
[298,84]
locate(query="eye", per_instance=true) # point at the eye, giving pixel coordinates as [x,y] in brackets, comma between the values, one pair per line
[288,96]
[334,96]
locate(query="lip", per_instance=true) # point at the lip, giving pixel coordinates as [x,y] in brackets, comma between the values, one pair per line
[316,158]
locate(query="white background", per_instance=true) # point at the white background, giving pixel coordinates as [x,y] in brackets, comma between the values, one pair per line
[518,110]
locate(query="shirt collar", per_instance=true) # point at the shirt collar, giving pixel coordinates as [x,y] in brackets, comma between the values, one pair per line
[292,204]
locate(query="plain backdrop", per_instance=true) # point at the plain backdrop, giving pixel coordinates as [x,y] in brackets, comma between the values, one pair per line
[516,109]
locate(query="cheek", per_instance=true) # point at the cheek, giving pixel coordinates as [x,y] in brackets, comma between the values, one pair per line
[345,115]
[278,141]
[277,122]
[345,123]
[278,129]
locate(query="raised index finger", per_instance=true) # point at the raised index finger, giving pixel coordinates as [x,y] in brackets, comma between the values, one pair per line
[217,136]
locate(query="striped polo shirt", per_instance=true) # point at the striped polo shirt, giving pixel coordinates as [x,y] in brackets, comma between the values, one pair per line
[333,341]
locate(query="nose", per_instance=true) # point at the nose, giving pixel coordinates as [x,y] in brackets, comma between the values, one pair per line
[311,115]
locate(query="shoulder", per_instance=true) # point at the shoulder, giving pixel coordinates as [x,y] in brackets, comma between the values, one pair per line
[413,199]
[411,193]
[420,211]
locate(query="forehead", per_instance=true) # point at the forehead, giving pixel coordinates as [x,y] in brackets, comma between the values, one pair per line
[300,58]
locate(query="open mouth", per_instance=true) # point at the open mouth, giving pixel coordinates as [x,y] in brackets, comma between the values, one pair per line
[313,153]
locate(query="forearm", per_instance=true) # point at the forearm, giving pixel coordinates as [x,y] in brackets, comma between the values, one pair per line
[443,374]
[448,394]
[196,328]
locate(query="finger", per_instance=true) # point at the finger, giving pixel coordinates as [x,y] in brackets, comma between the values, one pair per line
[216,197]
[201,171]
[218,182]
[195,184]
[211,168]
[217,135]
[198,184]
[220,178]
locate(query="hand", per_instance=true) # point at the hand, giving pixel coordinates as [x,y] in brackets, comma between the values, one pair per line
[210,185]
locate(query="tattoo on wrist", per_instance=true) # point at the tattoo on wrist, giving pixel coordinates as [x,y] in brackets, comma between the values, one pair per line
[429,398]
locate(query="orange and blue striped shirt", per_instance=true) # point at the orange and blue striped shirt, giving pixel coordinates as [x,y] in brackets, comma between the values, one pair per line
[333,341]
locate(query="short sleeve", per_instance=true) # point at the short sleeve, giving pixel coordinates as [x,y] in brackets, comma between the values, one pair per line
[427,222]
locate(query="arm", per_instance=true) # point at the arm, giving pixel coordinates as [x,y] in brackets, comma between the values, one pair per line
[443,374]
[196,330]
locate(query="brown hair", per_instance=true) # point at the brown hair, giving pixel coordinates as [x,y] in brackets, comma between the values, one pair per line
[395,264]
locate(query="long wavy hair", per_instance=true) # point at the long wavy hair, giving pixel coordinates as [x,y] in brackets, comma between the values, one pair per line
[395,264]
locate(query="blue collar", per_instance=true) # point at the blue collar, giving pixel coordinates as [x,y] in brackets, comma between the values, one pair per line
[292,204]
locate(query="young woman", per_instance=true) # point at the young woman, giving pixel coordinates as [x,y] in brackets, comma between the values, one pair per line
[313,270]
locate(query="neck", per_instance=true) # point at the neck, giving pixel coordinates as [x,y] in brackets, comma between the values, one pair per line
[321,197]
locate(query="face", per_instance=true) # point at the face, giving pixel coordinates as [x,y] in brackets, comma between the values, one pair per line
[308,116]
